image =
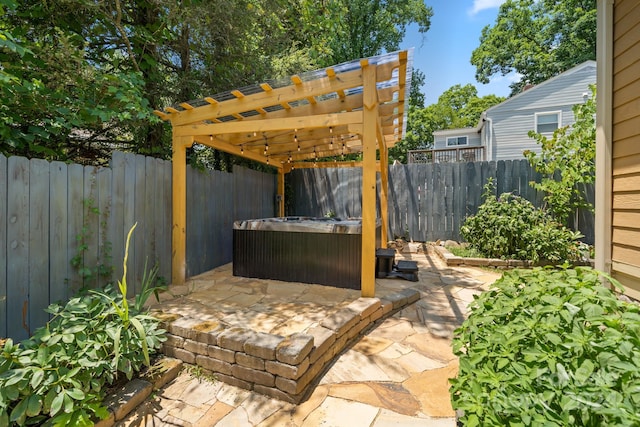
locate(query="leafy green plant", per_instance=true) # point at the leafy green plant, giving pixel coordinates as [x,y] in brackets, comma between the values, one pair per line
[58,376]
[509,226]
[566,161]
[465,251]
[199,373]
[549,347]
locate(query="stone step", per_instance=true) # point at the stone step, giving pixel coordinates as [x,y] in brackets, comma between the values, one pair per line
[277,366]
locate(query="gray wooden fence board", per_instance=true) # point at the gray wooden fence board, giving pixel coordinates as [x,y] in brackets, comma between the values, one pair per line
[515,177]
[460,197]
[58,233]
[500,177]
[18,247]
[130,216]
[337,201]
[147,255]
[225,211]
[164,267]
[75,217]
[508,177]
[117,216]
[38,242]
[422,187]
[438,201]
[91,224]
[193,210]
[137,254]
[397,200]
[105,250]
[3,245]
[449,196]
[414,187]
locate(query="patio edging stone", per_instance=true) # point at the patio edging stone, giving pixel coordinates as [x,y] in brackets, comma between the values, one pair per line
[136,391]
[454,261]
[283,368]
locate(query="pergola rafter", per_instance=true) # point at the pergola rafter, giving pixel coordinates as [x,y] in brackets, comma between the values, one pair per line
[356,107]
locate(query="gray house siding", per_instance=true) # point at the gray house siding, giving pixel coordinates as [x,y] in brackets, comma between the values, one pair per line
[511,121]
[473,138]
[505,127]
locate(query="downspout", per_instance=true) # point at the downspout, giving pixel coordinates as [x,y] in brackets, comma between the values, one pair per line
[604,149]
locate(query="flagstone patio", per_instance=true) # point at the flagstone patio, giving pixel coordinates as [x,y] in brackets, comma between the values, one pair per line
[393,371]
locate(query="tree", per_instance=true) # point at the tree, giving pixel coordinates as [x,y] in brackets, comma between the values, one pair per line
[79,78]
[570,156]
[457,107]
[537,39]
[55,101]
[82,77]
[343,30]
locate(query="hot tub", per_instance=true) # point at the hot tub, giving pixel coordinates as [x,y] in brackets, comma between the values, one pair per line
[324,251]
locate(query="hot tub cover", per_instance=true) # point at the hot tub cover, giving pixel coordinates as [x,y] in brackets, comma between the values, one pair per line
[302,224]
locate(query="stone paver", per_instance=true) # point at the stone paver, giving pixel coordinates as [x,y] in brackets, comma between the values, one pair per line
[395,375]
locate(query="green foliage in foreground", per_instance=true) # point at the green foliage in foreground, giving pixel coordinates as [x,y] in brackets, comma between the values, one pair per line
[510,227]
[58,376]
[549,348]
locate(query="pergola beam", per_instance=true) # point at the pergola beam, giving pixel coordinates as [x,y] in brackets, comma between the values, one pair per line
[270,125]
[369,124]
[179,208]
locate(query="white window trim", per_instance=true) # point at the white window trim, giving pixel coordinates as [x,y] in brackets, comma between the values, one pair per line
[546,113]
[466,138]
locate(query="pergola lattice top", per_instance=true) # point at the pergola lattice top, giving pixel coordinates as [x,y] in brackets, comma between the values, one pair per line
[308,116]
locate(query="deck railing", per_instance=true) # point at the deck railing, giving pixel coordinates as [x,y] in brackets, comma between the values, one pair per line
[447,155]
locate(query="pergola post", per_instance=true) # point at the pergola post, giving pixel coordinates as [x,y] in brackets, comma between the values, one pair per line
[280,192]
[369,145]
[384,191]
[179,190]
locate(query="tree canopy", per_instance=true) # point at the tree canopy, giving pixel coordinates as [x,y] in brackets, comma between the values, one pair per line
[537,39]
[79,78]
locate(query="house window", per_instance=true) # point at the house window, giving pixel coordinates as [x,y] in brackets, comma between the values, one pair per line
[547,122]
[456,140]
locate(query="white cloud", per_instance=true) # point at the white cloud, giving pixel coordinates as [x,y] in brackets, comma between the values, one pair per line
[480,5]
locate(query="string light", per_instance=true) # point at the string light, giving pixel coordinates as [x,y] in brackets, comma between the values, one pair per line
[210,137]
[266,148]
[242,149]
[295,138]
[267,159]
[331,142]
[289,160]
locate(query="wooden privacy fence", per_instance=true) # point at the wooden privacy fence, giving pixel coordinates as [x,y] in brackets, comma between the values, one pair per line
[52,213]
[426,201]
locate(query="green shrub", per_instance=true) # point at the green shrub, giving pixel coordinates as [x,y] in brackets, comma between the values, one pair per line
[549,348]
[510,227]
[58,376]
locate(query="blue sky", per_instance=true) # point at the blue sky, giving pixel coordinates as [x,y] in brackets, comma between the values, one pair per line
[444,52]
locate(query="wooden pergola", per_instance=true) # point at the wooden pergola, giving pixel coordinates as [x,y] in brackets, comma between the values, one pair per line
[353,107]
